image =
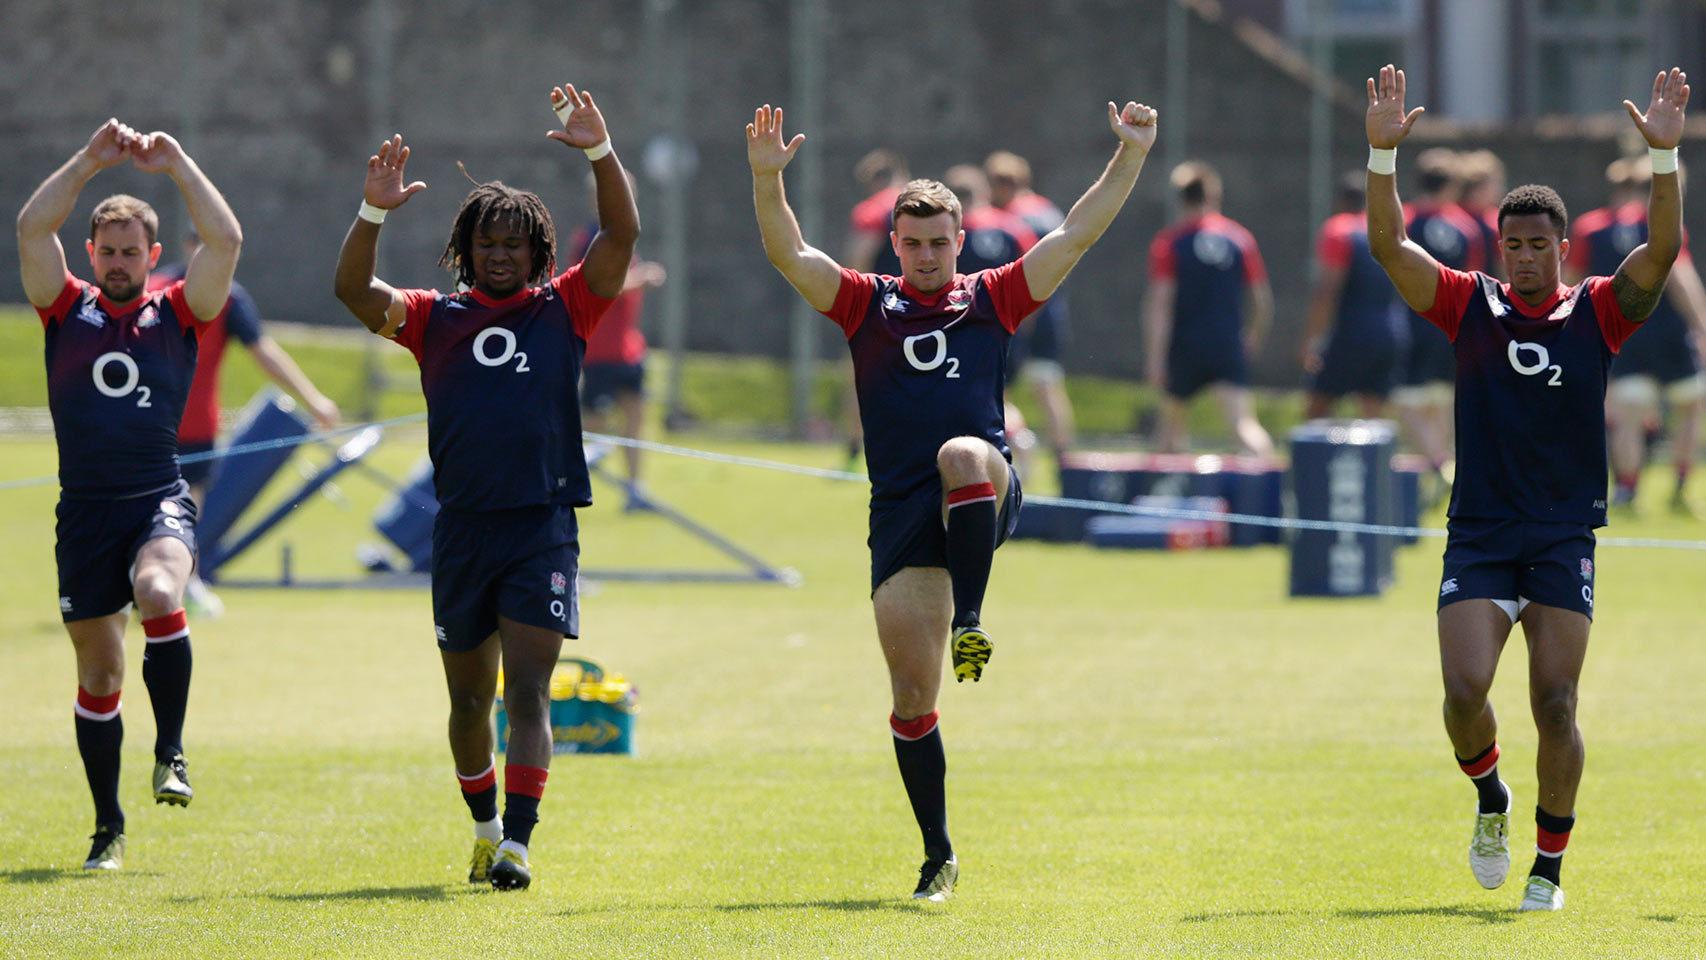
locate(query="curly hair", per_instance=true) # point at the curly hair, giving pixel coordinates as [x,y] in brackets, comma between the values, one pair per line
[1532,198]
[493,201]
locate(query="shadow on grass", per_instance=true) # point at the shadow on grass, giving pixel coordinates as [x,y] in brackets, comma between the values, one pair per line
[1486,915]
[1237,914]
[420,893]
[52,874]
[849,906]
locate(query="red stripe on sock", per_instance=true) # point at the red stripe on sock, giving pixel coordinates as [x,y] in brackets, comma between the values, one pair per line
[94,704]
[1480,767]
[970,493]
[916,728]
[170,625]
[480,781]
[1549,843]
[527,781]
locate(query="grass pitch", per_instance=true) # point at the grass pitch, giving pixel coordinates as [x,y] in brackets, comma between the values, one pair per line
[1167,758]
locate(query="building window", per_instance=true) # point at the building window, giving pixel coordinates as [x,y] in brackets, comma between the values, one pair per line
[1587,55]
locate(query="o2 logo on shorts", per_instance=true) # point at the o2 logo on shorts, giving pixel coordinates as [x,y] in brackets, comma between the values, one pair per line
[558,610]
[1542,361]
[484,353]
[939,354]
[132,378]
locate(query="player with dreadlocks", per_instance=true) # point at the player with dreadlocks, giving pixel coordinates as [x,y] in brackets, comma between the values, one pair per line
[499,362]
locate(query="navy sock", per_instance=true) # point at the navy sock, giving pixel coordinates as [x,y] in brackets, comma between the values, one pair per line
[523,786]
[970,547]
[100,735]
[166,672]
[480,793]
[1483,771]
[924,771]
[1551,836]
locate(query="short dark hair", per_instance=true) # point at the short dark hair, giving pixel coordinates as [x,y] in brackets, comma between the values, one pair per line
[1438,168]
[1352,194]
[123,208]
[1197,183]
[493,201]
[1532,198]
[926,198]
[879,168]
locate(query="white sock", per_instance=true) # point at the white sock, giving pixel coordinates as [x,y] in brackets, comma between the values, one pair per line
[492,829]
[514,847]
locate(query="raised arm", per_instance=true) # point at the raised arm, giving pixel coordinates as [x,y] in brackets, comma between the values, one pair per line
[1640,281]
[808,269]
[40,255]
[1414,272]
[1054,256]
[207,278]
[605,265]
[372,300]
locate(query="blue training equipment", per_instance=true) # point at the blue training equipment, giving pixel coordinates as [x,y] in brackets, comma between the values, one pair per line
[1341,471]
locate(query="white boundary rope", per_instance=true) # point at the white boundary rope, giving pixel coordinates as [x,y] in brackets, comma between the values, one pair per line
[1095,506]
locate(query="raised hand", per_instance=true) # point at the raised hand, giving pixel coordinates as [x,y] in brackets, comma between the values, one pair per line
[1662,123]
[583,126]
[765,150]
[1388,124]
[111,145]
[156,153]
[1135,124]
[385,186]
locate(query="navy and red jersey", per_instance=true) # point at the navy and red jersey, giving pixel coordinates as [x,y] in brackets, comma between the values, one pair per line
[875,215]
[1368,305]
[1042,216]
[500,378]
[117,376]
[993,239]
[1037,211]
[1211,259]
[240,319]
[1530,396]
[928,368]
[617,338]
[1487,226]
[1599,242]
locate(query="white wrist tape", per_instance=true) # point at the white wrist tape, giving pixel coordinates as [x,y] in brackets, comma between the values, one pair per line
[1383,161]
[1664,161]
[599,149]
[371,213]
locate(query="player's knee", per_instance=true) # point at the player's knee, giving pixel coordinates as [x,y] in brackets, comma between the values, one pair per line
[470,706]
[1465,695]
[103,680]
[962,458]
[527,701]
[158,592]
[1555,711]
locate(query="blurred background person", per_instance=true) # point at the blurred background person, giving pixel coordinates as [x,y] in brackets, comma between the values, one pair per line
[1209,305]
[881,173]
[1355,334]
[1661,367]
[1038,349]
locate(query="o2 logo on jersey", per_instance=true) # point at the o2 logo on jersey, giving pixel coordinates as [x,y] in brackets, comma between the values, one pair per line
[1443,238]
[132,378]
[1213,249]
[484,353]
[1542,361]
[939,354]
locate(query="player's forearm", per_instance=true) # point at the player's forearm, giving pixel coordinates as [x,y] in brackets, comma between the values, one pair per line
[777,227]
[1664,220]
[214,222]
[1157,324]
[282,370]
[1259,310]
[618,216]
[47,209]
[1385,218]
[353,282]
[1095,210]
[1319,319]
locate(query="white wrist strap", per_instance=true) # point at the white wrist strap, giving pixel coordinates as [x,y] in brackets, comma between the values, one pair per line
[371,213]
[599,149]
[1664,161]
[1383,161]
